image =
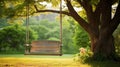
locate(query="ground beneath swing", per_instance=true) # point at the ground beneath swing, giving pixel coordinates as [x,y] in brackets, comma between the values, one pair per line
[46,61]
[37,61]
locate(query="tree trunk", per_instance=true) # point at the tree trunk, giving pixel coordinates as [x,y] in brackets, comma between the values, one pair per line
[93,40]
[103,47]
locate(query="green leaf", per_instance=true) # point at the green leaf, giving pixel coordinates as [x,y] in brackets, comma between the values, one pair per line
[55,2]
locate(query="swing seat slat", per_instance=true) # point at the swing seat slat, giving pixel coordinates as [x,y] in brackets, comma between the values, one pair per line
[44,48]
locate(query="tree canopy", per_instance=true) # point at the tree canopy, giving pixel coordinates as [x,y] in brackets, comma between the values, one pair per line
[93,10]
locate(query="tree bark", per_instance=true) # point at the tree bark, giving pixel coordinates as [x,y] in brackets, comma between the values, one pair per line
[103,47]
[93,40]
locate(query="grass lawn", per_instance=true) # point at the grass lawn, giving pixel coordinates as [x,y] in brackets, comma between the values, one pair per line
[20,60]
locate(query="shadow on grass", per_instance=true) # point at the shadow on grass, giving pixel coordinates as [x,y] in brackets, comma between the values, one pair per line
[103,63]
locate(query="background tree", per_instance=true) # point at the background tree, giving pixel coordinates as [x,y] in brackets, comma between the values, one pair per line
[81,37]
[68,33]
[46,30]
[13,38]
[3,22]
[41,31]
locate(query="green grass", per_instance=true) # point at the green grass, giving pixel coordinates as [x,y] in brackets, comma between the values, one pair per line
[35,56]
[66,60]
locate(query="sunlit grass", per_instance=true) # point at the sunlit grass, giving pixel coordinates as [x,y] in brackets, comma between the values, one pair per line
[49,61]
[40,61]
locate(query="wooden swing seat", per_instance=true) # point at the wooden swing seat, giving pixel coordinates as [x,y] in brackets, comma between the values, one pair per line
[44,48]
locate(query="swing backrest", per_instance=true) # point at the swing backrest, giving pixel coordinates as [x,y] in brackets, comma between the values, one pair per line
[46,47]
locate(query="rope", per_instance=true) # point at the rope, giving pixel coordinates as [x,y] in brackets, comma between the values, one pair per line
[27,23]
[60,27]
[61,21]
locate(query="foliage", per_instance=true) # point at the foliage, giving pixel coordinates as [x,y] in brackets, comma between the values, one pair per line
[17,8]
[3,22]
[12,8]
[13,37]
[41,31]
[117,38]
[45,29]
[83,55]
[68,32]
[81,37]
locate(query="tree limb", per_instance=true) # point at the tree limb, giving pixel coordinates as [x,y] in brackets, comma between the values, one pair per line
[80,20]
[106,8]
[88,8]
[54,11]
[91,16]
[86,5]
[97,12]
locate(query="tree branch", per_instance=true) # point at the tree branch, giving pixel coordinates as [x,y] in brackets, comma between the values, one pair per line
[80,20]
[54,11]
[86,5]
[80,2]
[97,12]
[106,8]
[90,14]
